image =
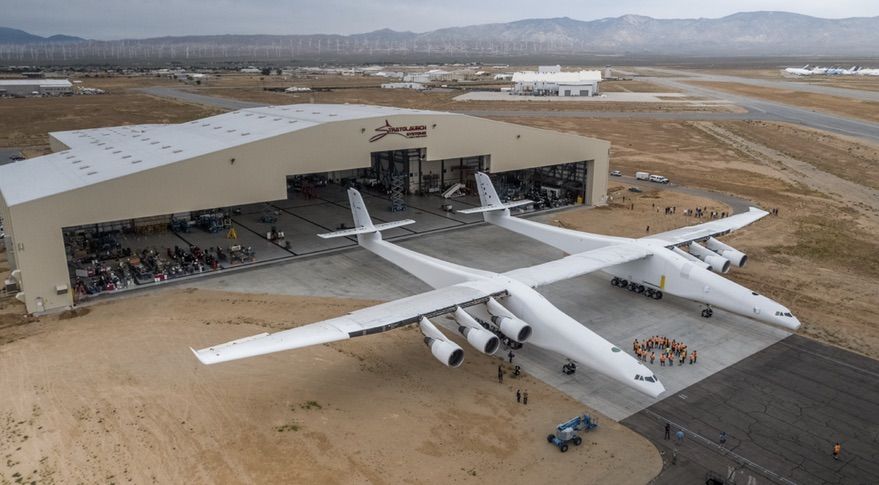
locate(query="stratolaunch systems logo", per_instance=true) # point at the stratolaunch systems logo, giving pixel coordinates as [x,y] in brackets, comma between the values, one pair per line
[412,131]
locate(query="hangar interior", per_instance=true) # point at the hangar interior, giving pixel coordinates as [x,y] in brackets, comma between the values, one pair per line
[285,186]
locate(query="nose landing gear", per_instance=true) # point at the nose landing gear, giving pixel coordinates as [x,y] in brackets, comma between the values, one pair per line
[707,312]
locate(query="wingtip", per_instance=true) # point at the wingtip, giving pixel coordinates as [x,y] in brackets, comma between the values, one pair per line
[197,356]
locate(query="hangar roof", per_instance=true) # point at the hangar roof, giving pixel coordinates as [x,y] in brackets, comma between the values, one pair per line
[101,154]
[557,77]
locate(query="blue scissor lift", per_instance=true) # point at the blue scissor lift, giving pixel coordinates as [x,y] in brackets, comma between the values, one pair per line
[569,432]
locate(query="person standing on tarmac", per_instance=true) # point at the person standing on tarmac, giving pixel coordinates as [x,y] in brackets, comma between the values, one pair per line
[500,375]
[836,449]
[518,395]
[511,355]
[667,431]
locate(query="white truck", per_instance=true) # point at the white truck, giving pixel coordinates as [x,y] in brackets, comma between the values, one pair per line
[658,179]
[642,175]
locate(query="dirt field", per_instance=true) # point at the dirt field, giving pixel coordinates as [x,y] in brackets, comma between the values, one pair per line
[817,257]
[866,110]
[26,122]
[634,86]
[115,396]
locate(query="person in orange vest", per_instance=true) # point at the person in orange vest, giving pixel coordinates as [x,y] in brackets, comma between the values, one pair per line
[836,449]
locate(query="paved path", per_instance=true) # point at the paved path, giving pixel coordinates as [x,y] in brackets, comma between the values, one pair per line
[782,409]
[782,112]
[858,94]
[190,97]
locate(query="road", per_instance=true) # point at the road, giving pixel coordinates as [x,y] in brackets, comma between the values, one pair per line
[781,112]
[782,409]
[190,97]
[755,110]
[6,153]
[804,86]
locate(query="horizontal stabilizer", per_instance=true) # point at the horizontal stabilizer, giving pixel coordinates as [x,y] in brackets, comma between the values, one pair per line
[366,230]
[496,207]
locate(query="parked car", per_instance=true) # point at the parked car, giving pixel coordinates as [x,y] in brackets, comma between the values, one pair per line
[616,173]
[634,189]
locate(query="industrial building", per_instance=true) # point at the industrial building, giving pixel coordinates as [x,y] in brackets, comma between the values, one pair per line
[31,87]
[550,81]
[69,215]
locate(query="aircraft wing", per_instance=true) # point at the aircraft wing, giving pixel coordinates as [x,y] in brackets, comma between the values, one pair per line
[717,227]
[367,321]
[578,264]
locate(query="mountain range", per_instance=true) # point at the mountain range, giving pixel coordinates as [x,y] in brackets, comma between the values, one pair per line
[743,34]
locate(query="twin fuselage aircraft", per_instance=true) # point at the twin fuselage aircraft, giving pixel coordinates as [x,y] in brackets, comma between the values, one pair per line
[488,306]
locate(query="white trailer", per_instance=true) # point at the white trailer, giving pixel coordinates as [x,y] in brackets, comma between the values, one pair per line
[642,175]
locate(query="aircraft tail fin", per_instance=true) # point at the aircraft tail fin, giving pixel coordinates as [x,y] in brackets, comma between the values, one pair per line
[362,222]
[489,199]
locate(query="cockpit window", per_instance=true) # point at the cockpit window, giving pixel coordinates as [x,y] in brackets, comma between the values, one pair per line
[649,379]
[787,314]
[755,293]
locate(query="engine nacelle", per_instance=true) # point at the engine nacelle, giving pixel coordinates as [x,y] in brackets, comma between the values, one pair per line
[513,328]
[445,351]
[718,264]
[736,257]
[477,336]
[509,325]
[481,340]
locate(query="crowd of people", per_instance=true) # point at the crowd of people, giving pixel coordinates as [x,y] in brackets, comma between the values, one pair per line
[668,350]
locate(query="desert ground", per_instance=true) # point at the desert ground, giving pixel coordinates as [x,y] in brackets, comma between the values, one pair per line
[112,394]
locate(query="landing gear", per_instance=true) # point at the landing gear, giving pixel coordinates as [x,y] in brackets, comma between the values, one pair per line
[706,313]
[636,288]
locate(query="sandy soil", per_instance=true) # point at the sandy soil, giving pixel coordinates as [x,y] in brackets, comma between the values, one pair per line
[634,86]
[818,257]
[113,395]
[866,110]
[27,121]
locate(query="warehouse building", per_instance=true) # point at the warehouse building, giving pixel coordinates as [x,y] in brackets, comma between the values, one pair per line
[131,181]
[31,87]
[552,82]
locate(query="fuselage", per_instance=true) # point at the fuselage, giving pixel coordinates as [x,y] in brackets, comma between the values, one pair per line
[552,329]
[664,270]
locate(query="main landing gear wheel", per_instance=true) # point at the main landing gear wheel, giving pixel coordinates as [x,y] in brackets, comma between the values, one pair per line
[639,289]
[657,295]
[624,284]
[706,313]
[615,282]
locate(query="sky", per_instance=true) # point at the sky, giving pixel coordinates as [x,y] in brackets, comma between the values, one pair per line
[118,19]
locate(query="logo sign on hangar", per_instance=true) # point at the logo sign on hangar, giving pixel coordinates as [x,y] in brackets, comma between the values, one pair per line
[406,131]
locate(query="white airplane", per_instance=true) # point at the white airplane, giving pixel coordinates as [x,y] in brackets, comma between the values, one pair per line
[664,267]
[799,71]
[459,288]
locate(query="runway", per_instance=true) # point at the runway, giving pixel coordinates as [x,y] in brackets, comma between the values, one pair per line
[783,409]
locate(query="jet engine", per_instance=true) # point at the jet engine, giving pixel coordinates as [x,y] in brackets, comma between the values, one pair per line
[512,327]
[444,350]
[718,263]
[478,337]
[736,257]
